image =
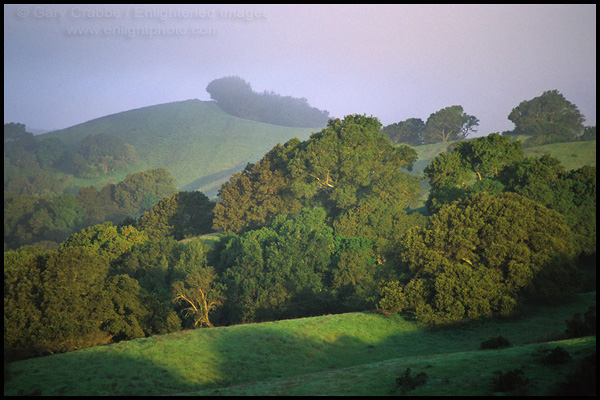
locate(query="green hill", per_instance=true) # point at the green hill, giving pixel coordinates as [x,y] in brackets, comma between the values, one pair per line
[200,144]
[356,353]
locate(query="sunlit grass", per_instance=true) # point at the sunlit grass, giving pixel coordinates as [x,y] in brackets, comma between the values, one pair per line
[216,358]
[461,373]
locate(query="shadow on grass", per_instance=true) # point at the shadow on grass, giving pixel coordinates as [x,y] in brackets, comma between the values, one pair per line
[190,361]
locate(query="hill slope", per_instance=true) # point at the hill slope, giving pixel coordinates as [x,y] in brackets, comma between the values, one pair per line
[361,349]
[200,144]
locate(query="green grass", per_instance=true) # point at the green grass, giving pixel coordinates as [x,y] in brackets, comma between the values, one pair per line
[572,155]
[354,353]
[202,146]
[199,143]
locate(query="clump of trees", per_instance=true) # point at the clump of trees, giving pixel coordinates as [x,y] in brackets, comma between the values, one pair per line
[236,97]
[548,118]
[317,226]
[496,164]
[30,219]
[102,154]
[30,166]
[339,168]
[448,124]
[296,267]
[102,285]
[66,299]
[181,215]
[484,256]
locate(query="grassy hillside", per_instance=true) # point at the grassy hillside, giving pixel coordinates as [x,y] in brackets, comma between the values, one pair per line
[354,353]
[202,146]
[572,155]
[199,143]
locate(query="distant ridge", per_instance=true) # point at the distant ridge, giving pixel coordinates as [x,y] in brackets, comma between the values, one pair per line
[199,143]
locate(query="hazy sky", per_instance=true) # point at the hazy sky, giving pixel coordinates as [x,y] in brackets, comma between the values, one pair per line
[67,64]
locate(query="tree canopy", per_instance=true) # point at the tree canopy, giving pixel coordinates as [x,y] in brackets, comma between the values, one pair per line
[409,131]
[181,215]
[547,117]
[449,123]
[348,162]
[484,256]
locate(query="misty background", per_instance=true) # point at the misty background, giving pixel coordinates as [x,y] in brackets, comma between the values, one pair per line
[67,64]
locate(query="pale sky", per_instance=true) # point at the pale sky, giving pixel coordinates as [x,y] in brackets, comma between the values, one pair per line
[68,64]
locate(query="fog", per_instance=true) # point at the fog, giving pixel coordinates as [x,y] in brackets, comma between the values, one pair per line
[67,64]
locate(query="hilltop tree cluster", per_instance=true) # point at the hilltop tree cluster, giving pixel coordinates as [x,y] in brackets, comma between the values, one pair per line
[448,124]
[325,225]
[549,118]
[236,97]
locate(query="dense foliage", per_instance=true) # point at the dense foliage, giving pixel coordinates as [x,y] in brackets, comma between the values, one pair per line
[496,164]
[236,97]
[30,219]
[484,256]
[296,267]
[102,154]
[409,131]
[181,215]
[29,164]
[317,226]
[548,118]
[448,124]
[339,168]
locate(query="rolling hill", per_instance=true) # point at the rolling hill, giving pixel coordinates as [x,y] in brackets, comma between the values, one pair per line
[359,353]
[200,144]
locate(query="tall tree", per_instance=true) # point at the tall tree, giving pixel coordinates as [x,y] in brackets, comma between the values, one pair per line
[200,294]
[235,96]
[449,123]
[550,114]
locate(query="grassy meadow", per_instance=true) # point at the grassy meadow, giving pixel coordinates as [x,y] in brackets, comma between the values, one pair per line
[347,354]
[199,143]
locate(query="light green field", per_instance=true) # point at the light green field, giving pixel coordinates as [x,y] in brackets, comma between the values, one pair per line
[199,143]
[352,354]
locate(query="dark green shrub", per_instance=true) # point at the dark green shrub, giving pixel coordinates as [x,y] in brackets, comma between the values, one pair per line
[407,382]
[513,382]
[495,343]
[578,326]
[556,356]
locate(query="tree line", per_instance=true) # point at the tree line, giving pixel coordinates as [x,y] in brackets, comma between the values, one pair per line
[45,167]
[325,225]
[30,219]
[549,118]
[236,97]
